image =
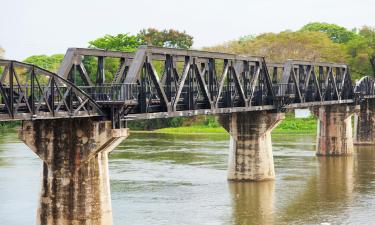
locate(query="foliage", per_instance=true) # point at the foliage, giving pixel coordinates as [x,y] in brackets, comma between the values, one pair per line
[166,38]
[292,124]
[119,42]
[336,33]
[362,52]
[50,63]
[289,125]
[307,45]
[192,129]
[155,123]
[2,52]
[151,36]
[6,125]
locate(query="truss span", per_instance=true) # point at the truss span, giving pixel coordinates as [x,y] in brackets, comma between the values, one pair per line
[28,92]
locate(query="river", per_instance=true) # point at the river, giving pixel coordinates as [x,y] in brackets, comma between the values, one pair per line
[181,179]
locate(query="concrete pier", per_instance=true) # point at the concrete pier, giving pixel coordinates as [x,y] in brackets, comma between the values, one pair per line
[364,124]
[250,150]
[75,182]
[334,134]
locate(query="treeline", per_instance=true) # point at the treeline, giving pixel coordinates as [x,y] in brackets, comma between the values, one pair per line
[314,42]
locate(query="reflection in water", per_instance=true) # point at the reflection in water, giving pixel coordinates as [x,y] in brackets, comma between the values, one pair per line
[181,179]
[365,168]
[253,203]
[324,195]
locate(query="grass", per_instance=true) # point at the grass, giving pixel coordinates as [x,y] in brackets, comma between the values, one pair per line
[4,126]
[289,125]
[191,129]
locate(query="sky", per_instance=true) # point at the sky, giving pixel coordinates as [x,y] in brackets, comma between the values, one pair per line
[33,27]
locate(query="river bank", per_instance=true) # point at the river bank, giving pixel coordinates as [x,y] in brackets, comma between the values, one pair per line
[289,125]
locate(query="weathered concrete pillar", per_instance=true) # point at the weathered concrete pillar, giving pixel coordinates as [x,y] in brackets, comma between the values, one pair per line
[364,124]
[250,150]
[334,131]
[75,179]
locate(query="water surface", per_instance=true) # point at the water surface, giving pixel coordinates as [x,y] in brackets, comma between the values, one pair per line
[181,179]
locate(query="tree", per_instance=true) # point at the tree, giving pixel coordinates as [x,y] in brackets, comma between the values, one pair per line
[336,33]
[2,52]
[307,45]
[51,63]
[119,42]
[362,52]
[166,38]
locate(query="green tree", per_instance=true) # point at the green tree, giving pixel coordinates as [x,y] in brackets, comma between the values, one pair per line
[2,52]
[166,38]
[50,63]
[362,52]
[307,45]
[119,42]
[336,33]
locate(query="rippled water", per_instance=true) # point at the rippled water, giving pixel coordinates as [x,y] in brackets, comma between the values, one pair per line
[181,179]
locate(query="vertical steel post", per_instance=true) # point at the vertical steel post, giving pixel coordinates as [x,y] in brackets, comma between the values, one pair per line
[100,74]
[32,90]
[11,97]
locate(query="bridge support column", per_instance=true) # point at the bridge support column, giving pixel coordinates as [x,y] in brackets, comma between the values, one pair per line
[75,179]
[364,124]
[334,131]
[250,150]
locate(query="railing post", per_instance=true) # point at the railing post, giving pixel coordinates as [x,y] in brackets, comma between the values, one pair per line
[52,96]
[33,90]
[11,97]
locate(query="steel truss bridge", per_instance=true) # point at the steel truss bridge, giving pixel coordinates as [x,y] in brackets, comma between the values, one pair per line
[159,82]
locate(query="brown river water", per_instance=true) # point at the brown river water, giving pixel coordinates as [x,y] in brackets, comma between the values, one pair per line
[181,179]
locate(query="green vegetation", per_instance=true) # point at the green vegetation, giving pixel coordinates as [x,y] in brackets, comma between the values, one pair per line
[314,42]
[315,46]
[119,42]
[296,125]
[2,52]
[50,63]
[191,129]
[336,33]
[5,126]
[288,125]
[129,43]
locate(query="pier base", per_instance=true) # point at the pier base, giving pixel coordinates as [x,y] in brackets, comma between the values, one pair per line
[364,124]
[75,179]
[250,150]
[334,131]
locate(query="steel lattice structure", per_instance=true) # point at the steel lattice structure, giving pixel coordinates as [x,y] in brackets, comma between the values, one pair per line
[162,82]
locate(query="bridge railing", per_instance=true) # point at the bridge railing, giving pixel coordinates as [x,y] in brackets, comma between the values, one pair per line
[112,92]
[286,89]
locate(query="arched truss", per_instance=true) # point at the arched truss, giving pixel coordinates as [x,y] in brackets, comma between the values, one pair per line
[365,87]
[30,92]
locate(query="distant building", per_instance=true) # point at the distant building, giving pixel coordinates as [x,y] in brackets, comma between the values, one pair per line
[302,113]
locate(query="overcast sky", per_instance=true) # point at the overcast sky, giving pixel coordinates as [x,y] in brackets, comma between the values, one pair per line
[30,27]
